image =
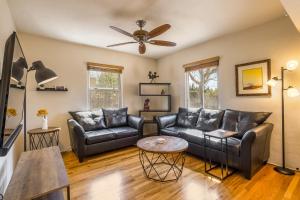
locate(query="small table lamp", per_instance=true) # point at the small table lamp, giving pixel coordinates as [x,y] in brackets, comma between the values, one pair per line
[291,92]
[42,74]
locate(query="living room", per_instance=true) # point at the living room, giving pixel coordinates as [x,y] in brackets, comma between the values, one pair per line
[224,40]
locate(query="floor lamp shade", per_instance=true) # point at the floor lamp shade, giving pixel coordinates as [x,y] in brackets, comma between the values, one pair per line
[42,74]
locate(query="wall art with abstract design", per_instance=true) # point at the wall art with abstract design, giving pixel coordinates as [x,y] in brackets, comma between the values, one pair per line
[252,77]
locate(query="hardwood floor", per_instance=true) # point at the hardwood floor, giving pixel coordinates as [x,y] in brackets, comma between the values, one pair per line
[118,175]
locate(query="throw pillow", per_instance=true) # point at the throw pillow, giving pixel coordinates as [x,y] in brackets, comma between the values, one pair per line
[187,117]
[209,120]
[115,117]
[89,120]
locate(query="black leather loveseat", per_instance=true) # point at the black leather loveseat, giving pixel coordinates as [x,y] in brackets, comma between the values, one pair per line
[93,132]
[247,151]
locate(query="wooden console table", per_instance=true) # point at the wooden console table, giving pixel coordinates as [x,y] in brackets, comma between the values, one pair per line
[39,175]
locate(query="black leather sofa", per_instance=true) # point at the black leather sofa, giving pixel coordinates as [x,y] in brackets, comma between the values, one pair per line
[247,151]
[93,132]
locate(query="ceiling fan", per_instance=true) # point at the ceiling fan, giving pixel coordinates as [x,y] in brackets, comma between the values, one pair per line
[142,36]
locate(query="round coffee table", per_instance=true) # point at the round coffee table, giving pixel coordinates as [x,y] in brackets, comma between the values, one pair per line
[162,157]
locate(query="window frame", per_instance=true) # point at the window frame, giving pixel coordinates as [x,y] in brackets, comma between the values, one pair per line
[119,86]
[186,89]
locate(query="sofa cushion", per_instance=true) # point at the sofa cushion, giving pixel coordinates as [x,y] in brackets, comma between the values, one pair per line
[89,120]
[187,117]
[125,131]
[209,120]
[230,120]
[254,117]
[242,127]
[115,117]
[233,145]
[94,137]
[193,136]
[197,137]
[242,121]
[172,131]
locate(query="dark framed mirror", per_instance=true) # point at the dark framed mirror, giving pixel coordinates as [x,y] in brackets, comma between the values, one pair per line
[12,93]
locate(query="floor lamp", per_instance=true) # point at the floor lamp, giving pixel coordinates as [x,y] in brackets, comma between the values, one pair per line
[291,92]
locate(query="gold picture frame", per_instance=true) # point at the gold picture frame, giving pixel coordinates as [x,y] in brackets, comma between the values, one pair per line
[252,77]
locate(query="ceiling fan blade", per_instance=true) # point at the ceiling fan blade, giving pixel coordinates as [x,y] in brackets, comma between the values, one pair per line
[142,48]
[119,44]
[162,43]
[121,31]
[159,30]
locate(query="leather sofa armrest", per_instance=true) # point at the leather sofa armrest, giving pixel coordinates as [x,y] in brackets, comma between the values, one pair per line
[166,121]
[255,148]
[77,138]
[137,123]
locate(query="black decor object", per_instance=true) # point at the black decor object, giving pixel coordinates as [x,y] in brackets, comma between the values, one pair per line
[42,75]
[152,76]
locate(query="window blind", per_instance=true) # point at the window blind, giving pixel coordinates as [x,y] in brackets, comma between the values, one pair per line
[104,67]
[210,62]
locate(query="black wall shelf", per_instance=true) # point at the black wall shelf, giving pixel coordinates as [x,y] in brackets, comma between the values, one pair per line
[17,87]
[168,96]
[52,90]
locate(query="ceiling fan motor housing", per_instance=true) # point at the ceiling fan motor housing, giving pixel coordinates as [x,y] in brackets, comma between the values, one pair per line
[141,35]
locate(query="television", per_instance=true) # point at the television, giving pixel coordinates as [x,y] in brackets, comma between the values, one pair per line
[12,93]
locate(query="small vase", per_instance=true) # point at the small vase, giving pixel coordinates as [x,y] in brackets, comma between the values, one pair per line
[45,123]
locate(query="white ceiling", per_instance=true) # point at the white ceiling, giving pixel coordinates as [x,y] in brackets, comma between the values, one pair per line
[293,9]
[193,21]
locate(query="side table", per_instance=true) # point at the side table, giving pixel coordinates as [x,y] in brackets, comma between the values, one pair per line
[222,135]
[39,138]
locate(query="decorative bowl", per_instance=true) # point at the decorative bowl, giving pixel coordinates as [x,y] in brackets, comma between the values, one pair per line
[161,140]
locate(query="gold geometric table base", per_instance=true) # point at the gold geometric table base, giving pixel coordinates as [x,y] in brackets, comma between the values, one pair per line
[163,167]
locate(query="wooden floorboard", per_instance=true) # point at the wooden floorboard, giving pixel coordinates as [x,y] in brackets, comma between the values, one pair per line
[118,175]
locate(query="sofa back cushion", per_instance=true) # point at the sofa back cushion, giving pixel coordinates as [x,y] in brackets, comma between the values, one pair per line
[209,120]
[115,117]
[89,120]
[230,120]
[242,121]
[187,117]
[242,127]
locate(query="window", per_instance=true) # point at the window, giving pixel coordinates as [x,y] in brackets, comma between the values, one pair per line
[104,89]
[202,86]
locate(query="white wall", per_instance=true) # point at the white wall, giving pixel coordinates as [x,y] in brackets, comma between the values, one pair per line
[68,60]
[7,163]
[277,40]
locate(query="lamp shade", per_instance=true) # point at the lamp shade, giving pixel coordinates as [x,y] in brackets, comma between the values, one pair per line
[43,75]
[292,64]
[272,82]
[18,67]
[292,92]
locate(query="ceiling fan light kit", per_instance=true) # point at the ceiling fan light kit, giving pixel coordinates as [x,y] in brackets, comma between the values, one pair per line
[142,36]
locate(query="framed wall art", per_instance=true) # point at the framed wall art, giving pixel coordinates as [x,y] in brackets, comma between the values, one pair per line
[252,77]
